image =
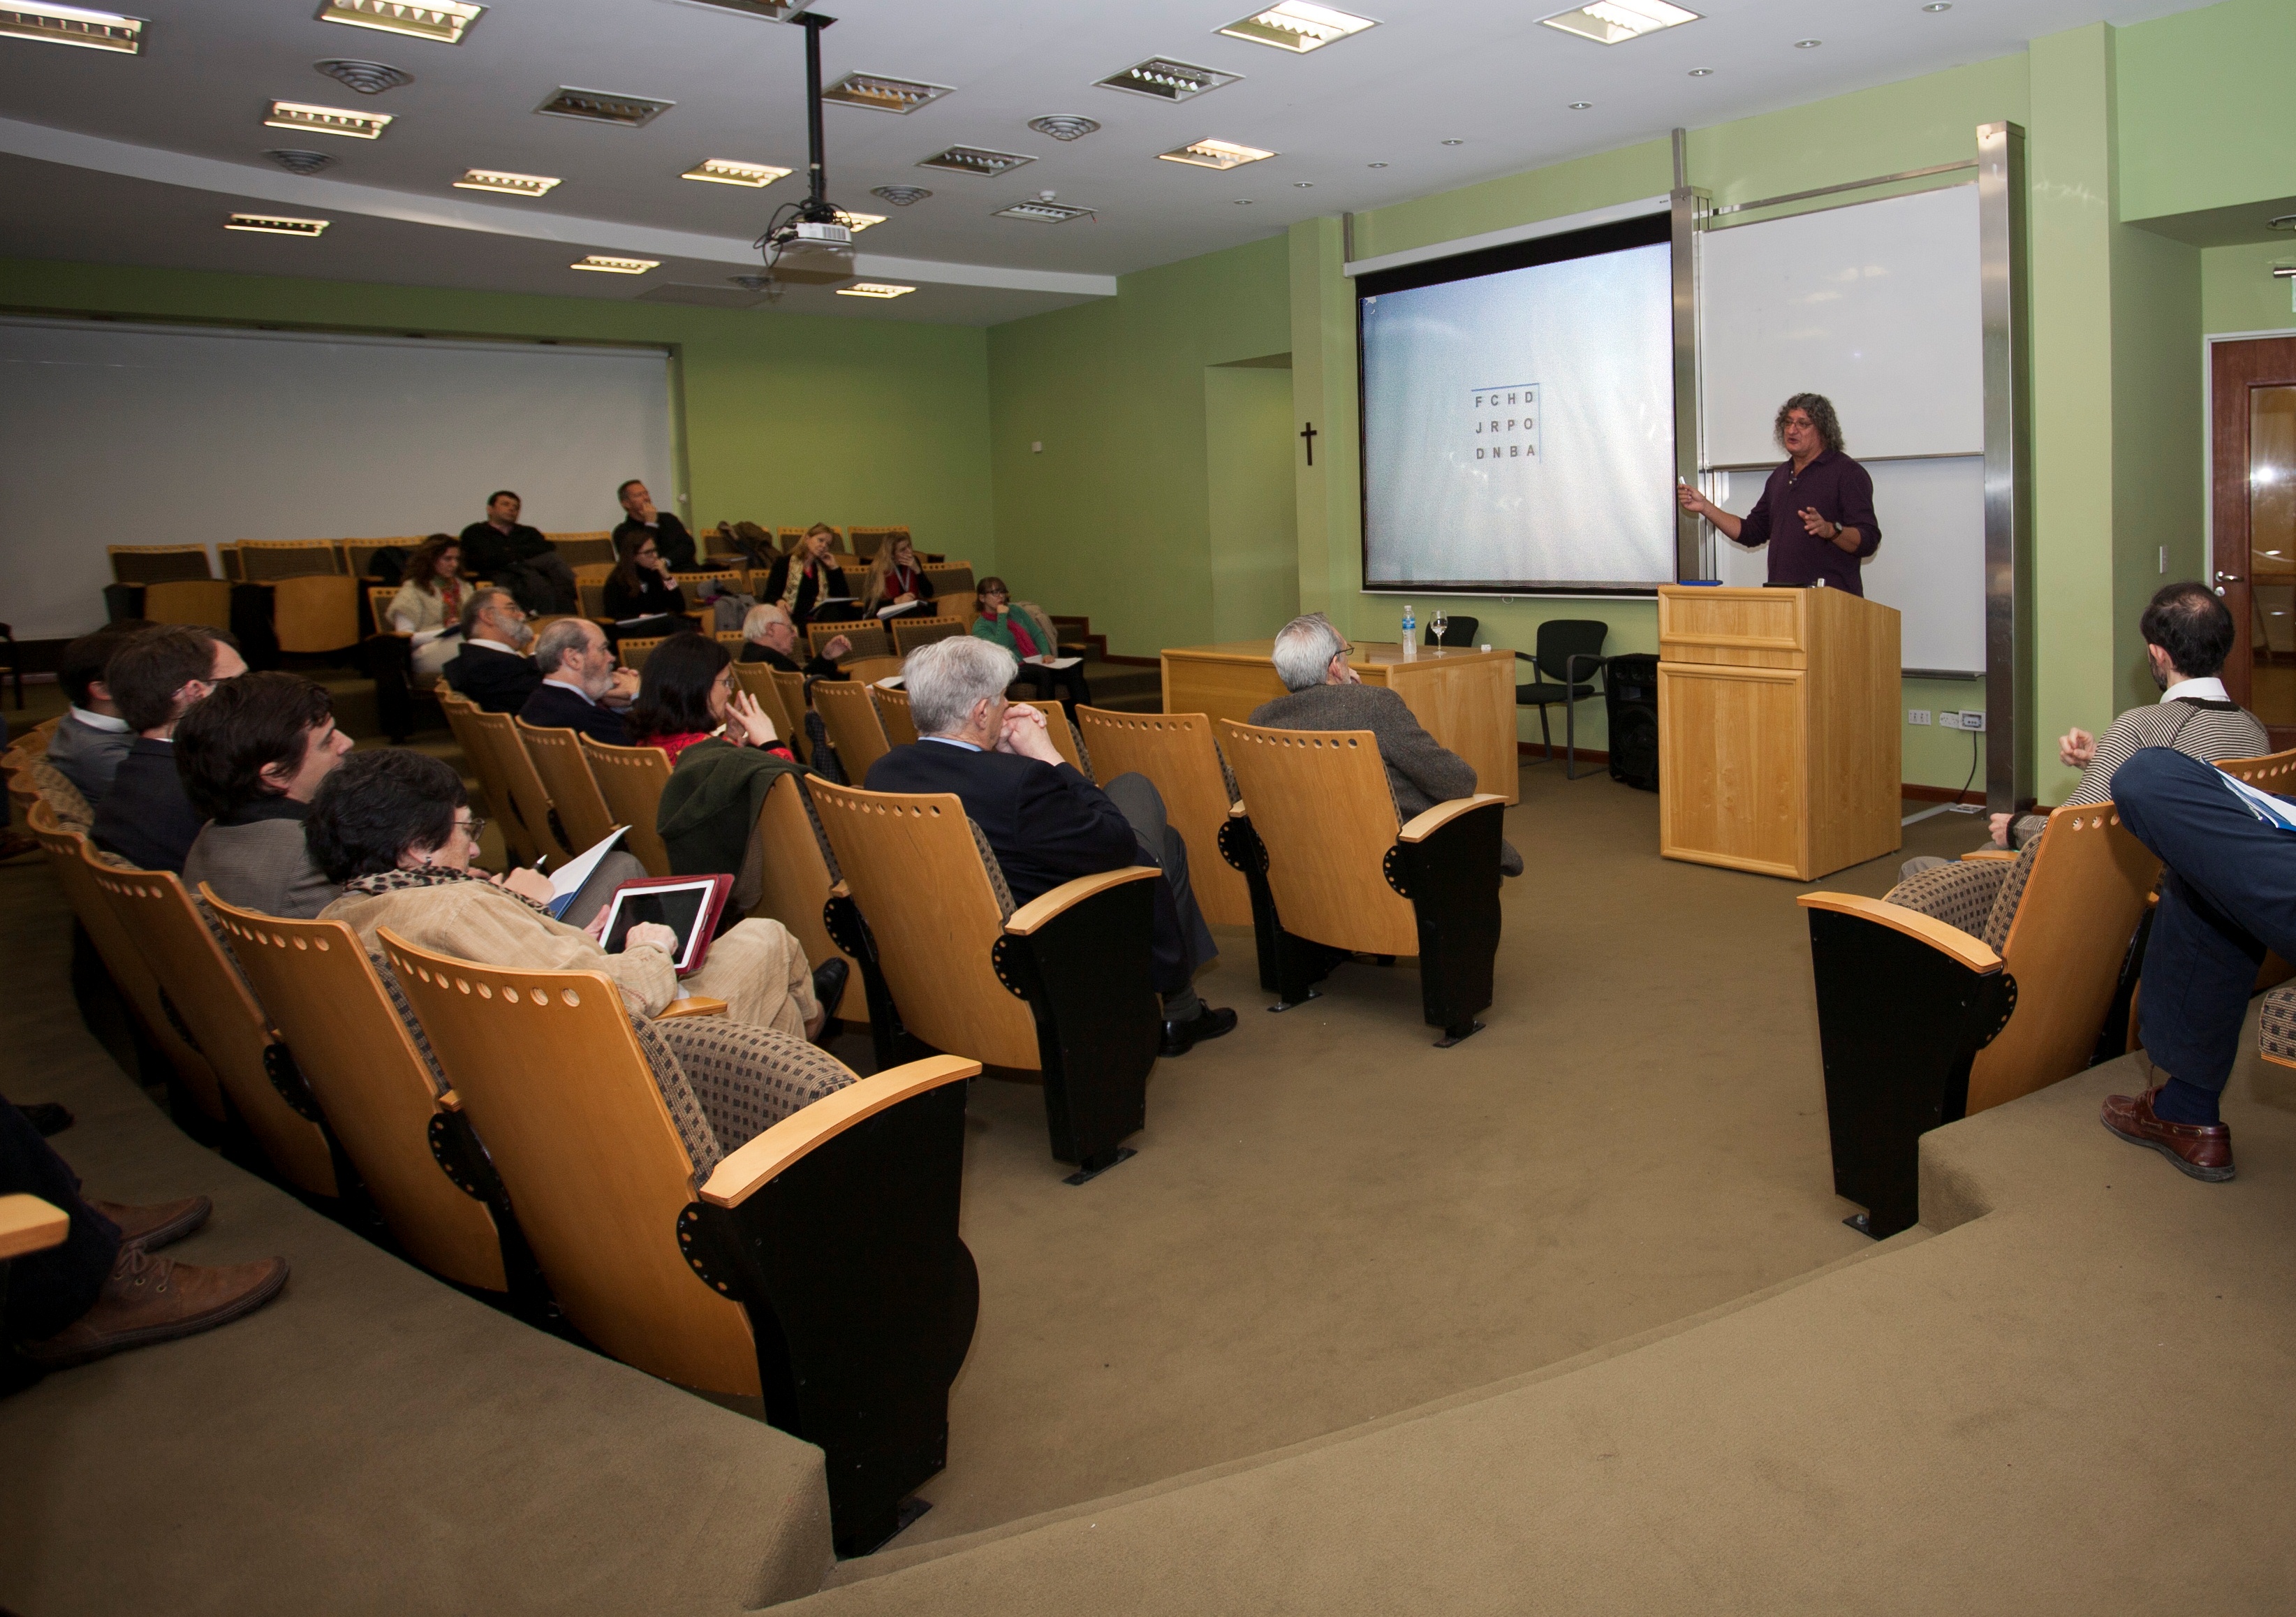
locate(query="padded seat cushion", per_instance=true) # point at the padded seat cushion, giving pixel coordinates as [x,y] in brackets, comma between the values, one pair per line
[71,809]
[2276,1026]
[1004,892]
[747,1078]
[2012,892]
[1960,895]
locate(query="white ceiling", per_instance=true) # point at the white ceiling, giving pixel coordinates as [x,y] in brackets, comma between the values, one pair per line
[137,160]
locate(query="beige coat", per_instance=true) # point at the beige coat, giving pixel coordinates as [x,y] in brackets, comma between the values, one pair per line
[757,968]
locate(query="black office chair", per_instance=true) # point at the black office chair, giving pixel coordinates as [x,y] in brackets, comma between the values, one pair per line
[1456,631]
[1571,647]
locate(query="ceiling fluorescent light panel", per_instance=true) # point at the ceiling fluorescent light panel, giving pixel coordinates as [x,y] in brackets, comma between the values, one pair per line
[881,94]
[1616,21]
[875,289]
[1043,213]
[604,265]
[327,121]
[726,171]
[73,25]
[446,22]
[1167,80]
[604,107]
[276,225]
[506,184]
[858,222]
[770,11]
[1297,26]
[1215,154]
[975,160]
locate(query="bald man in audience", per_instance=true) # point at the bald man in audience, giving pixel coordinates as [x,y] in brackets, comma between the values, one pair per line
[1311,659]
[581,688]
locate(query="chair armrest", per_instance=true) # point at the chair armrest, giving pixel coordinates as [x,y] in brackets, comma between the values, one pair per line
[758,1164]
[697,1004]
[1949,940]
[1424,825]
[1595,663]
[1036,913]
[29,1225]
[448,1101]
[1979,855]
[1235,810]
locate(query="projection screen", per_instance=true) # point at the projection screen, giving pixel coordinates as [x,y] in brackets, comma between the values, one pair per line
[1518,416]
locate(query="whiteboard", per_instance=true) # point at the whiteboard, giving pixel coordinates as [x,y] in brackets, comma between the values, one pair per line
[1875,306]
[1931,563]
[163,435]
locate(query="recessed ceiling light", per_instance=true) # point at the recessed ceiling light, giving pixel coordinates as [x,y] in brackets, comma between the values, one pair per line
[901,196]
[301,162]
[1244,202]
[508,184]
[1807,45]
[1295,25]
[1939,5]
[1043,213]
[1616,21]
[1702,72]
[1215,154]
[1167,80]
[444,21]
[975,160]
[72,25]
[875,289]
[1375,165]
[1580,106]
[1454,143]
[367,77]
[880,94]
[1064,126]
[858,222]
[726,171]
[1303,184]
[276,225]
[327,121]
[616,266]
[604,107]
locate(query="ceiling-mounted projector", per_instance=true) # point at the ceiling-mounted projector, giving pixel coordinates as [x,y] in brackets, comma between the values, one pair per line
[814,228]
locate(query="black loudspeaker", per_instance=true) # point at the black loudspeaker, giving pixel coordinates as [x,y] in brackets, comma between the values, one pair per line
[1630,692]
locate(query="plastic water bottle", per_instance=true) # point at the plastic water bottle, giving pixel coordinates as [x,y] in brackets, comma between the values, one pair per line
[1410,631]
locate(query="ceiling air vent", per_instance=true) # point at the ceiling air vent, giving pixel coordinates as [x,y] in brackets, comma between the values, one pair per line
[367,77]
[604,107]
[73,25]
[901,196]
[883,95]
[975,160]
[1043,213]
[1167,80]
[301,162]
[1063,125]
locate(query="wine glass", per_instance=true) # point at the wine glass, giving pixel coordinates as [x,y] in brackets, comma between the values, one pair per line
[1437,627]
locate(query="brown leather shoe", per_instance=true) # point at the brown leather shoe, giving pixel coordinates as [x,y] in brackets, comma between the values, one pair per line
[148,1299]
[2205,1153]
[154,1226]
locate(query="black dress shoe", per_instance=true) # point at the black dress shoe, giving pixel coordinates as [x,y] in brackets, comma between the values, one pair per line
[829,987]
[1181,1037]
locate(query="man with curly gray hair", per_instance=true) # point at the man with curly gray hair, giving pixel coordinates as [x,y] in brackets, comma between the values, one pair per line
[1830,497]
[1044,820]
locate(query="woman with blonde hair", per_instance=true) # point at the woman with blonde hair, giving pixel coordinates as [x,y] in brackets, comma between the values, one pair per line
[896,579]
[807,583]
[428,604]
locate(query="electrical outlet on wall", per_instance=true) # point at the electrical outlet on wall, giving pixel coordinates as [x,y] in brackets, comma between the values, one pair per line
[1951,720]
[1917,716]
[1971,721]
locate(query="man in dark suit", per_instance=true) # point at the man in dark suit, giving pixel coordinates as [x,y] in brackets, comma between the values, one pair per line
[581,688]
[1044,820]
[669,534]
[147,817]
[493,669]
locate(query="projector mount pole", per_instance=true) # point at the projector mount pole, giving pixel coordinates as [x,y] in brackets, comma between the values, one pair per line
[815,210]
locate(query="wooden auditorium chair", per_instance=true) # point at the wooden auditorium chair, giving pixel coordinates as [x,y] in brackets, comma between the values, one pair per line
[480,762]
[1176,753]
[592,549]
[910,633]
[2275,772]
[1331,868]
[573,791]
[856,733]
[758,679]
[1061,986]
[529,799]
[1064,737]
[893,713]
[868,639]
[630,779]
[796,701]
[1967,985]
[256,1075]
[383,1097]
[632,653]
[178,583]
[314,601]
[790,860]
[164,1050]
[805,1252]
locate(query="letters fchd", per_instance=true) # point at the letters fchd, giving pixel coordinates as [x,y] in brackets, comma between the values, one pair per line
[1516,430]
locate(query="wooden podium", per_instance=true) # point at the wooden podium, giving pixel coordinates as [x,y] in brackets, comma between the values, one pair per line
[1777,726]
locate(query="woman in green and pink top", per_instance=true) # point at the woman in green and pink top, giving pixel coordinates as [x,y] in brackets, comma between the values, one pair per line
[1018,634]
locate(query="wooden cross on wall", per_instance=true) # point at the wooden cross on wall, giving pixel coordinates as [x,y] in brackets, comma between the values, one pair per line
[1307,437]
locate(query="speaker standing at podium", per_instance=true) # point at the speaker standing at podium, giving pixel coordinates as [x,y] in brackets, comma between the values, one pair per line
[1817,511]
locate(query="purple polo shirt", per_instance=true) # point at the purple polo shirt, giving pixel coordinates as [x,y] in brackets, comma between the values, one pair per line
[1843,495]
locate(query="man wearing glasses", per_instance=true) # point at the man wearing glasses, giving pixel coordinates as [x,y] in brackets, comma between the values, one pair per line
[493,669]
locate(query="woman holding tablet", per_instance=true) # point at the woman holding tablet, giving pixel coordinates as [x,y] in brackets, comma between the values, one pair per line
[395,829]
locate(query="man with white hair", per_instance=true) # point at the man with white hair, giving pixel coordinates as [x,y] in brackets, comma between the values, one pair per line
[581,688]
[769,637]
[493,669]
[1311,659]
[1044,820]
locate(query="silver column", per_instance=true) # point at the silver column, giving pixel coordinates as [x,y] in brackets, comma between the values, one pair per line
[2008,467]
[1688,207]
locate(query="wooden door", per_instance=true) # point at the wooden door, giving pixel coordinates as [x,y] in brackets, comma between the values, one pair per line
[2253,398]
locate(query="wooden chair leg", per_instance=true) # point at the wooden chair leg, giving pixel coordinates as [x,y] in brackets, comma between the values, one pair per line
[1452,879]
[1240,847]
[1899,1023]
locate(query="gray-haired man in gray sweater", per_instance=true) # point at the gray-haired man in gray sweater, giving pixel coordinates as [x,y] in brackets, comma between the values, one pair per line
[1311,659]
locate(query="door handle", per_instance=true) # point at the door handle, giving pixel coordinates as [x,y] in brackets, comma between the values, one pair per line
[2224,579]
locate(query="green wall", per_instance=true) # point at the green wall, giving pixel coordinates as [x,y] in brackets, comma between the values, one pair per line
[2239,292]
[788,419]
[2204,117]
[1111,518]
[1250,503]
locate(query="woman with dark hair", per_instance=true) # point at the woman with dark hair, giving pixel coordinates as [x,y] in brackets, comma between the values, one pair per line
[1031,645]
[252,756]
[809,584]
[642,595]
[687,693]
[428,604]
[1831,526]
[395,829]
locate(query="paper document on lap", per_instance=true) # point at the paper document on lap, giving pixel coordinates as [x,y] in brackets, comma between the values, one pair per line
[2272,810]
[566,880]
